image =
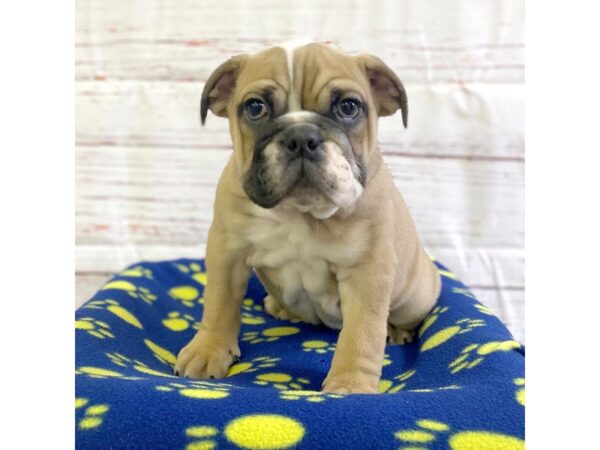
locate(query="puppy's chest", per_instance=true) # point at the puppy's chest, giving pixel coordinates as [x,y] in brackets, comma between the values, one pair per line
[301,263]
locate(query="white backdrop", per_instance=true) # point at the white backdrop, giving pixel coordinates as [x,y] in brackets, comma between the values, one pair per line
[146,171]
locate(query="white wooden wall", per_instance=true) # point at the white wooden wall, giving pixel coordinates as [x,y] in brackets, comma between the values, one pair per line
[146,170]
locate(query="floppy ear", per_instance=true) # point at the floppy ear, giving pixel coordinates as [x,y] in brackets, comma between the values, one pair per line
[386,87]
[219,87]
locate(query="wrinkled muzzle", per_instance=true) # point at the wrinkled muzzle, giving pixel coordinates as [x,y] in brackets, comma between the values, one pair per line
[305,161]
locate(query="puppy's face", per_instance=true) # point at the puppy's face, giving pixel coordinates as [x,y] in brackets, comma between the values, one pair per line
[303,122]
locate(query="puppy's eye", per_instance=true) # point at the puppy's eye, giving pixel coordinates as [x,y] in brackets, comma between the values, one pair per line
[255,109]
[348,108]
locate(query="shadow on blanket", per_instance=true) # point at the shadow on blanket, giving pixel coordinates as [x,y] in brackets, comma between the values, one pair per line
[459,386]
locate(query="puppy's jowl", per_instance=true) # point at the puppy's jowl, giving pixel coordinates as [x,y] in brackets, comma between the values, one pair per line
[308,203]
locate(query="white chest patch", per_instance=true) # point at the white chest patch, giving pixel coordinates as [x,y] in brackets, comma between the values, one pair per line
[301,266]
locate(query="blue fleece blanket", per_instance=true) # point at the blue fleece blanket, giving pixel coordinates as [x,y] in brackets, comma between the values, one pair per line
[460,385]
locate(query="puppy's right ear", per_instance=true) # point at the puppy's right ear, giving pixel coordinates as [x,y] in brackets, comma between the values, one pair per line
[219,87]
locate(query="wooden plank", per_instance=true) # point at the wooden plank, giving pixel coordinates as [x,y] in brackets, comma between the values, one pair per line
[474,121]
[434,41]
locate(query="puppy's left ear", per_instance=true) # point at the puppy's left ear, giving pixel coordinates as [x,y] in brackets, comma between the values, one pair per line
[219,88]
[387,89]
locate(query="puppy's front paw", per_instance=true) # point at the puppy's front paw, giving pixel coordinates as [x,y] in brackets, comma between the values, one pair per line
[399,336]
[350,383]
[207,355]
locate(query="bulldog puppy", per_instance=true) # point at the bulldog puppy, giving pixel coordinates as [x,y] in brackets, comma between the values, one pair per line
[307,201]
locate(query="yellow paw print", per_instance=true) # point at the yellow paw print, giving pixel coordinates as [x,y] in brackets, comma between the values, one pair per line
[431,318]
[132,290]
[163,355]
[264,431]
[250,319]
[94,327]
[389,386]
[520,394]
[188,295]
[461,326]
[464,291]
[441,388]
[472,355]
[93,414]
[194,270]
[262,362]
[269,335]
[448,274]
[248,304]
[484,310]
[137,272]
[99,372]
[139,366]
[309,396]
[318,346]
[430,431]
[176,321]
[202,390]
[114,307]
[281,381]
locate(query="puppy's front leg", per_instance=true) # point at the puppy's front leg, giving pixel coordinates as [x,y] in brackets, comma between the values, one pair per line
[357,361]
[215,346]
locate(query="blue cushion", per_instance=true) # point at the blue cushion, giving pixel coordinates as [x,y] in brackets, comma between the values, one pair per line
[460,385]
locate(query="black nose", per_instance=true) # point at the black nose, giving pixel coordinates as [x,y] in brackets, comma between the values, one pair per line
[302,139]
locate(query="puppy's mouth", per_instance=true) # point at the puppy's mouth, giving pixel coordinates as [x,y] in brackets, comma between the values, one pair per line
[304,166]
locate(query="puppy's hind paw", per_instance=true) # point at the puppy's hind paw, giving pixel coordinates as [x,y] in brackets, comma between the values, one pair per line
[399,336]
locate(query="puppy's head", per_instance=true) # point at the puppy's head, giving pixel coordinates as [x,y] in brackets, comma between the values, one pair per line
[303,120]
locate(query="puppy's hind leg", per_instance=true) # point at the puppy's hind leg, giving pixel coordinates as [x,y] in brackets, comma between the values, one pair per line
[276,309]
[403,321]
[399,336]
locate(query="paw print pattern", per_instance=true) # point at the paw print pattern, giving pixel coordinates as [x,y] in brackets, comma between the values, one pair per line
[281,381]
[204,437]
[137,272]
[92,414]
[484,310]
[431,318]
[188,295]
[162,354]
[386,360]
[389,386]
[309,396]
[202,390]
[520,394]
[460,327]
[101,373]
[320,347]
[428,433]
[132,290]
[94,327]
[474,354]
[269,335]
[464,291]
[114,307]
[441,388]
[139,366]
[262,362]
[448,274]
[249,305]
[266,431]
[251,319]
[176,321]
[194,270]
